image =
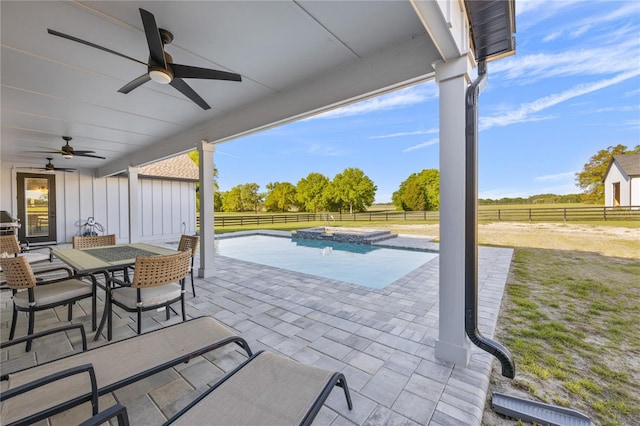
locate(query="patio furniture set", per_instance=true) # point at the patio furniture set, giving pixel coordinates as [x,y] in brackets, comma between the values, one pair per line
[265,388]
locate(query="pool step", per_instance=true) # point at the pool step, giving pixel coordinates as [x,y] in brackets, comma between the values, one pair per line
[375,237]
[537,412]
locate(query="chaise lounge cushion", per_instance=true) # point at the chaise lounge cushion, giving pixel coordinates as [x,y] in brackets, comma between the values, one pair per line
[269,390]
[114,364]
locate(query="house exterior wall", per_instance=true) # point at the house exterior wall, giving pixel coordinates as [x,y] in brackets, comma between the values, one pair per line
[168,206]
[629,187]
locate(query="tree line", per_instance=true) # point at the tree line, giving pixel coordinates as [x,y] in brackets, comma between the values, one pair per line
[353,191]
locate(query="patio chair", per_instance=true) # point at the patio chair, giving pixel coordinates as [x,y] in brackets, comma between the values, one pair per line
[91,241]
[158,281]
[9,244]
[189,242]
[80,242]
[31,295]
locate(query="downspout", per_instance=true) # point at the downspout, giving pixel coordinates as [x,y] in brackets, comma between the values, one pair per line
[471,230]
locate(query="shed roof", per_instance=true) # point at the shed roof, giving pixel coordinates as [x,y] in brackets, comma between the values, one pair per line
[178,167]
[628,163]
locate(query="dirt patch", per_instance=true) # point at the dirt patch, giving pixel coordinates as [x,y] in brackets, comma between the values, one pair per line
[605,240]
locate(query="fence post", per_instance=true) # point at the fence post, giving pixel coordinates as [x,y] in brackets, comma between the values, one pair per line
[564,215]
[529,215]
[499,219]
[604,213]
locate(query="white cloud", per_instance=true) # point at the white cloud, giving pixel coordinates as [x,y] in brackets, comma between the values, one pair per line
[416,132]
[399,99]
[564,176]
[526,111]
[421,145]
[603,60]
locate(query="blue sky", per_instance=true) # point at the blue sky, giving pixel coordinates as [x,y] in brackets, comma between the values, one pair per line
[572,89]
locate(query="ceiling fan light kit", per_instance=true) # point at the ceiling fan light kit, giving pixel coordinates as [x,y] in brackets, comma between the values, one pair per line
[160,66]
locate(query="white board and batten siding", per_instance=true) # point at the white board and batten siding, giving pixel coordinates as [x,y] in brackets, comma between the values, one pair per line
[167,207]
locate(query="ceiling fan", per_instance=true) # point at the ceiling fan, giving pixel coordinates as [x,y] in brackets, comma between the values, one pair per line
[51,168]
[160,67]
[67,151]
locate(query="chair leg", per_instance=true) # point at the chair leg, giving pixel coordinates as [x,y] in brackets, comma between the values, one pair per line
[184,312]
[32,320]
[139,321]
[93,310]
[70,312]
[109,308]
[168,312]
[14,320]
[193,286]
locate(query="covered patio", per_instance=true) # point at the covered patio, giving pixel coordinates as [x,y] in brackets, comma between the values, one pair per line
[295,59]
[382,340]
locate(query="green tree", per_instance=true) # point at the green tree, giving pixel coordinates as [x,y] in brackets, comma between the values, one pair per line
[420,191]
[310,192]
[241,198]
[590,179]
[281,196]
[354,189]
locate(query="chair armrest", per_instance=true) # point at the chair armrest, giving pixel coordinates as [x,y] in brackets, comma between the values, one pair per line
[93,396]
[34,336]
[118,411]
[119,282]
[59,268]
[25,248]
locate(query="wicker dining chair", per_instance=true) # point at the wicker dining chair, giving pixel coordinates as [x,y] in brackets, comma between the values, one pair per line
[158,281]
[9,244]
[31,295]
[79,242]
[190,243]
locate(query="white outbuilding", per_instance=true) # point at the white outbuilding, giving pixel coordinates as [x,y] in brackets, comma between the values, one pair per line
[622,181]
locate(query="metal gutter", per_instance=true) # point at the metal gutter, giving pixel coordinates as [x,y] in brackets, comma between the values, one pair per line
[471,230]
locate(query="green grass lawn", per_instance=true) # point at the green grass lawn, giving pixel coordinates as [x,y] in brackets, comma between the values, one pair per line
[571,321]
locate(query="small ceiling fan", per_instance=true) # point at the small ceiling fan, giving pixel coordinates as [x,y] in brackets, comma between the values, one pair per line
[67,151]
[160,67]
[51,168]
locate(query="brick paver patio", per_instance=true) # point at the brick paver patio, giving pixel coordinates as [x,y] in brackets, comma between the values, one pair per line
[382,340]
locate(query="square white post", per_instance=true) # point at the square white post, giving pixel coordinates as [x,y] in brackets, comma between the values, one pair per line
[134,204]
[207,234]
[453,78]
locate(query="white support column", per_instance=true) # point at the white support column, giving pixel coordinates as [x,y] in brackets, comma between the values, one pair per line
[206,151]
[453,78]
[134,205]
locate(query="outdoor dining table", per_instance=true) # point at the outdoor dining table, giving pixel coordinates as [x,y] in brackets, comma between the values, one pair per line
[106,259]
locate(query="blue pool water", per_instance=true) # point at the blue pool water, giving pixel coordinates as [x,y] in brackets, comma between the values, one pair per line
[361,264]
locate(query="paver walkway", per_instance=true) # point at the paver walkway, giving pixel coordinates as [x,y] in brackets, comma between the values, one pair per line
[382,340]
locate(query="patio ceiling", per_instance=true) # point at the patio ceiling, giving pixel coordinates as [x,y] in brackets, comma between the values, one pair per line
[295,58]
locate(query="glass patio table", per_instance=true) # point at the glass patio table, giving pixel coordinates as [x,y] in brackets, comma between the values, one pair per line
[105,260]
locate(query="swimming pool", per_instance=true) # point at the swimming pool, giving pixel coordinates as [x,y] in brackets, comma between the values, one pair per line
[361,264]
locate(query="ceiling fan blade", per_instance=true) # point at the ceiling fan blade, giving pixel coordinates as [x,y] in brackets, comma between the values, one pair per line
[156,48]
[134,83]
[186,71]
[186,90]
[85,154]
[88,43]
[54,151]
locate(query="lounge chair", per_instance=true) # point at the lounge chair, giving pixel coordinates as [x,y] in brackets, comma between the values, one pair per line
[114,365]
[267,389]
